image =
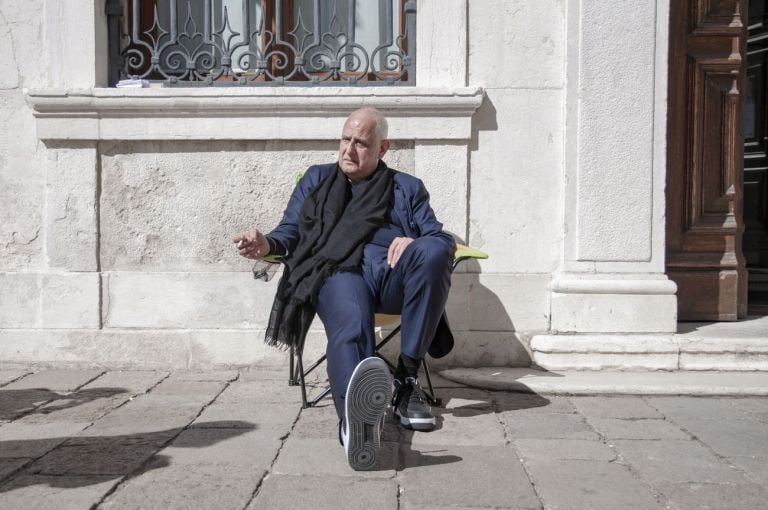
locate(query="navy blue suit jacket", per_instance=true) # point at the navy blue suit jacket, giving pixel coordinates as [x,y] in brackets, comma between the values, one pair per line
[410,204]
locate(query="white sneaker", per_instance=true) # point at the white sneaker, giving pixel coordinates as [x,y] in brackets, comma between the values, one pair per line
[368,394]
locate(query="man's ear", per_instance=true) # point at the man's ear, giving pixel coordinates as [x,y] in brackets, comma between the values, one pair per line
[383,148]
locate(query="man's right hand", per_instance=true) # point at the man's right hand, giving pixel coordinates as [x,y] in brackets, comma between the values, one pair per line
[252,244]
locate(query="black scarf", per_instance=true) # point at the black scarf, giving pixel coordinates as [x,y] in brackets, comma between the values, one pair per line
[333,229]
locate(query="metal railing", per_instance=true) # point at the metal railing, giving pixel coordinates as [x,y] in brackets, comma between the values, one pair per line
[262,42]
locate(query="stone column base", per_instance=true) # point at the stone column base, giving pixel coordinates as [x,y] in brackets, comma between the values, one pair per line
[614,303]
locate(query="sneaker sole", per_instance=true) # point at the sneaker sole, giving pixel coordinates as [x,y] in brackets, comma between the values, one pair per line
[368,395]
[425,424]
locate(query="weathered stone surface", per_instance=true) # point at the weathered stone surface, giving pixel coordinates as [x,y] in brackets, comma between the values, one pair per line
[161,349]
[15,403]
[693,407]
[273,391]
[70,300]
[32,440]
[756,468]
[271,420]
[93,459]
[202,376]
[318,493]
[247,448]
[56,380]
[201,300]
[588,484]
[134,381]
[612,428]
[509,302]
[190,391]
[729,437]
[531,403]
[463,427]
[534,154]
[327,457]
[187,487]
[458,398]
[546,426]
[87,404]
[618,313]
[20,300]
[621,407]
[55,492]
[480,348]
[564,449]
[8,376]
[744,360]
[439,478]
[9,466]
[443,169]
[146,424]
[533,61]
[84,406]
[321,423]
[752,407]
[71,229]
[174,206]
[588,382]
[717,496]
[22,159]
[674,461]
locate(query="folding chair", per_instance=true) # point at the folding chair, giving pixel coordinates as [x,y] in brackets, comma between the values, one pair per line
[297,373]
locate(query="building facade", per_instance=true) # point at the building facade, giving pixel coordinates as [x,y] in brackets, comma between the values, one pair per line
[540,129]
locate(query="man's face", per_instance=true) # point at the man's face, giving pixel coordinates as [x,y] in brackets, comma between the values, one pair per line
[360,149]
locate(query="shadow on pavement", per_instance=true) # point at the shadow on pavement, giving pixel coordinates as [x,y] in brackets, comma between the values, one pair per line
[469,405]
[14,403]
[79,461]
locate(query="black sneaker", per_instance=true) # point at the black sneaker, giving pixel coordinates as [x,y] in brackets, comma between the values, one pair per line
[411,405]
[365,405]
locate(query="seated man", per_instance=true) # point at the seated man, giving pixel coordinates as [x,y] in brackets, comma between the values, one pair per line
[356,238]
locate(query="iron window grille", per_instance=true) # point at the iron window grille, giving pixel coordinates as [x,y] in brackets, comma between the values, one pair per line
[263,42]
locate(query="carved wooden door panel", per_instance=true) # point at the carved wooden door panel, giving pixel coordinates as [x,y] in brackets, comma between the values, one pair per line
[704,158]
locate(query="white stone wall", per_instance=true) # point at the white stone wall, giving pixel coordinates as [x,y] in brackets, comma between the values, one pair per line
[115,221]
[22,155]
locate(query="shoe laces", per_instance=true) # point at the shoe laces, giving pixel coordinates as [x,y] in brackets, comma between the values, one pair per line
[416,394]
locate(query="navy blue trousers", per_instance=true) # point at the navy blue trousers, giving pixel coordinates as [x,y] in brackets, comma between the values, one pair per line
[417,289]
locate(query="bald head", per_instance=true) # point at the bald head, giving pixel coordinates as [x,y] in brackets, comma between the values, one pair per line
[363,143]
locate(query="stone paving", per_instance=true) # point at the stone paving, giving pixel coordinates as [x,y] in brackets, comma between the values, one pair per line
[92,439]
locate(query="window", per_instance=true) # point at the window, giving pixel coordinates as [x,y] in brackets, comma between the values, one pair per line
[263,42]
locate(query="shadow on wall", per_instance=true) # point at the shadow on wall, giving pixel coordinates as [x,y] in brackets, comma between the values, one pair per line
[483,330]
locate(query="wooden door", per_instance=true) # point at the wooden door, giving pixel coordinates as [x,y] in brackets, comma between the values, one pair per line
[704,158]
[755,131]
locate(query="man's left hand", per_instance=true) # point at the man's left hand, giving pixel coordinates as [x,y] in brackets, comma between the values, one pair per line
[396,249]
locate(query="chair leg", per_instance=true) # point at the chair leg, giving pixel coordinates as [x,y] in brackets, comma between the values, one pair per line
[430,393]
[292,368]
[302,382]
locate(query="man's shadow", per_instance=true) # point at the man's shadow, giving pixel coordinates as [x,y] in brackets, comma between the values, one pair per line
[470,406]
[81,460]
[17,403]
[78,461]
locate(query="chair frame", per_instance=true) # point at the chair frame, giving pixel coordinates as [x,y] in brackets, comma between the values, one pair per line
[297,373]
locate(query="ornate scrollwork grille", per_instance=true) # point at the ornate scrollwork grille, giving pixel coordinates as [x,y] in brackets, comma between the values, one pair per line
[263,42]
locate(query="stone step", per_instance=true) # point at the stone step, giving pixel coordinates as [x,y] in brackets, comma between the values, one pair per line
[585,382]
[719,346]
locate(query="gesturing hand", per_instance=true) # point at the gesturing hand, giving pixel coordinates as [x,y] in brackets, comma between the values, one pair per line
[396,249]
[251,244]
